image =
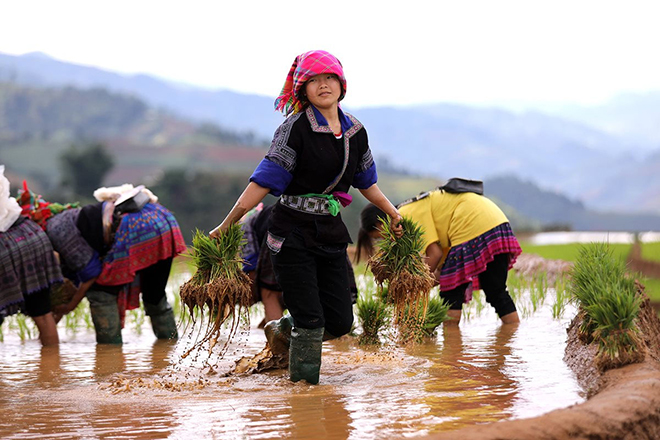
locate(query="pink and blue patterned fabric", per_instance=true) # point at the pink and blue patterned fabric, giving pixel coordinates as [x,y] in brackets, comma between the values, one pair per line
[467,260]
[142,239]
[304,67]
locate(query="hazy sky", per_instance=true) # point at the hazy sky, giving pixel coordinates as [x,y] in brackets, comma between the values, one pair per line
[393,53]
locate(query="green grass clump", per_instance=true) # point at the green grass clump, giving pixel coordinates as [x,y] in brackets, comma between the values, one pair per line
[609,305]
[399,262]
[219,289]
[538,287]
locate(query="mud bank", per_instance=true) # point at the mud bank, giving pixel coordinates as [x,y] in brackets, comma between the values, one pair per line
[623,403]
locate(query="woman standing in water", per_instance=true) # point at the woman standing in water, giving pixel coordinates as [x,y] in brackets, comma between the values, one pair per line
[259,268]
[28,267]
[113,259]
[316,155]
[469,246]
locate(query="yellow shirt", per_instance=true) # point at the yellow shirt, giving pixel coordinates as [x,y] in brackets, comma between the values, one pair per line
[452,219]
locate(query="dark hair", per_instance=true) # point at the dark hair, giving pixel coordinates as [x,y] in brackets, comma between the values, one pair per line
[370,220]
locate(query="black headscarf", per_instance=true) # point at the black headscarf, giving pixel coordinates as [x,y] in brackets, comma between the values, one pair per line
[90,224]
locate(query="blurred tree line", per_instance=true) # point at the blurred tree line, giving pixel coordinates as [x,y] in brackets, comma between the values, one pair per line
[198,199]
[84,168]
[202,199]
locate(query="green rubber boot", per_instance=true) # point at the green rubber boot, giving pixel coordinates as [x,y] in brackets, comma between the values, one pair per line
[105,316]
[305,354]
[162,319]
[278,335]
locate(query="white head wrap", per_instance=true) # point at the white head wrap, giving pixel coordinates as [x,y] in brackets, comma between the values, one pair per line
[9,208]
[114,193]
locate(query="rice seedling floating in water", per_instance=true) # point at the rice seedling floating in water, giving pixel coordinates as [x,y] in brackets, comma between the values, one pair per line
[609,304]
[219,289]
[436,314]
[373,314]
[399,262]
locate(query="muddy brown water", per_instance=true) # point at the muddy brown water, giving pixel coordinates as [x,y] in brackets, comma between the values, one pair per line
[479,373]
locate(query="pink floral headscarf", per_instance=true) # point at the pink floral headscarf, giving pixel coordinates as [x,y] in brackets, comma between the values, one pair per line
[304,67]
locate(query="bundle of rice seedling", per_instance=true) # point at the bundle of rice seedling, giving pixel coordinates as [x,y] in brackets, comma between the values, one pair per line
[609,304]
[399,262]
[219,289]
[373,314]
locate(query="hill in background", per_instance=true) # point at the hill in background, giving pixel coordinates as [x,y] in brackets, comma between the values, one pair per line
[37,125]
[578,153]
[557,172]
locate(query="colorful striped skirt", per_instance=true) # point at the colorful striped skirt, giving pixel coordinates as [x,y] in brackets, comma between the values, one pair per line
[27,264]
[142,239]
[467,260]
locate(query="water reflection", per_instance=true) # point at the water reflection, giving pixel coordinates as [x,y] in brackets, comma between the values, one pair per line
[128,420]
[468,380]
[112,359]
[52,391]
[478,372]
[50,371]
[109,360]
[319,413]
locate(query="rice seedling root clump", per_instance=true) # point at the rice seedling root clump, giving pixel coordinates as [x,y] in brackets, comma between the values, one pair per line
[399,263]
[219,291]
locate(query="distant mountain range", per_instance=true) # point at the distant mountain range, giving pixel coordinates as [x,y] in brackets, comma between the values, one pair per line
[555,154]
[599,169]
[233,111]
[632,116]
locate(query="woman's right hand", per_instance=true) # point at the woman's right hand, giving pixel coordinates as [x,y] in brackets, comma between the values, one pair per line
[395,226]
[217,232]
[63,309]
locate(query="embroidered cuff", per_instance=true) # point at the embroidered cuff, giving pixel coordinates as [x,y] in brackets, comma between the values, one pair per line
[272,176]
[366,178]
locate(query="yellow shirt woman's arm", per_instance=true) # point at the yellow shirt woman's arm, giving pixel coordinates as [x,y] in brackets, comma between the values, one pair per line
[433,255]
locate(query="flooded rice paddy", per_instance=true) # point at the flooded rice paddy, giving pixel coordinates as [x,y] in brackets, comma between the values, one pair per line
[481,372]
